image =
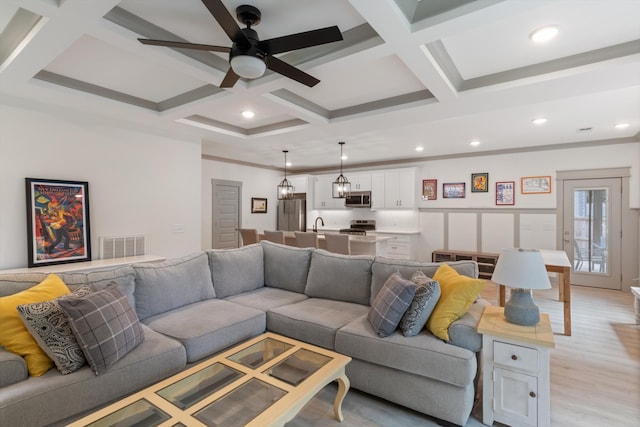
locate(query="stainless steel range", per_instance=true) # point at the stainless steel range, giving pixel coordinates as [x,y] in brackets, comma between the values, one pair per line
[360,227]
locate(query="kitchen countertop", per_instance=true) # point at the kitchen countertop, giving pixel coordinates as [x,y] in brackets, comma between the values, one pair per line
[352,237]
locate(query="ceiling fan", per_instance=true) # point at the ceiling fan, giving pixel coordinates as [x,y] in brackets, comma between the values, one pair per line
[248,55]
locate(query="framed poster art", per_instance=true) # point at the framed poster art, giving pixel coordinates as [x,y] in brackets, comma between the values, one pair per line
[505,193]
[480,182]
[453,190]
[58,229]
[429,189]
[258,205]
[535,184]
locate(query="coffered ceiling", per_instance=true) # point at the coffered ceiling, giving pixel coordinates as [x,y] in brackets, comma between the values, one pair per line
[433,73]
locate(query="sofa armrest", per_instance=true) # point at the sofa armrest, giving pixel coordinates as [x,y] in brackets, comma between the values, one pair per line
[13,368]
[463,332]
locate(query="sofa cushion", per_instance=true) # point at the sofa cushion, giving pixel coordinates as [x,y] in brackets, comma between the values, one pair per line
[124,277]
[105,325]
[170,284]
[266,298]
[424,301]
[286,267]
[14,336]
[383,267]
[13,368]
[458,292]
[12,283]
[50,328]
[207,327]
[236,270]
[314,320]
[49,399]
[340,277]
[390,304]
[423,354]
[464,331]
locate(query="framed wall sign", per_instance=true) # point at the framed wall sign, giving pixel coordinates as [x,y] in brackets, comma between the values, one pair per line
[453,190]
[58,229]
[429,189]
[258,205]
[535,184]
[505,193]
[479,182]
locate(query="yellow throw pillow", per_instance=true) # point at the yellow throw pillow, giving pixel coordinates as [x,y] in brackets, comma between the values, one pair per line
[14,336]
[458,292]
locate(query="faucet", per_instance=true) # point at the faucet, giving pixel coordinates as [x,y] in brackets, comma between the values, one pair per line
[315,224]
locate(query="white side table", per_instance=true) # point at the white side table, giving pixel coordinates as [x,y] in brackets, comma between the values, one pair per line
[515,364]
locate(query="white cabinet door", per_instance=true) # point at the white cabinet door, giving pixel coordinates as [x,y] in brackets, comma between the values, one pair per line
[322,198]
[399,187]
[377,191]
[515,397]
[360,182]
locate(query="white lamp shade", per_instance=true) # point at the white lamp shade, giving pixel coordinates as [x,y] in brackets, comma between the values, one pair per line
[247,66]
[521,268]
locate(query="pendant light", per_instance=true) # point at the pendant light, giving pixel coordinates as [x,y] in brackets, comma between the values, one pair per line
[341,187]
[285,189]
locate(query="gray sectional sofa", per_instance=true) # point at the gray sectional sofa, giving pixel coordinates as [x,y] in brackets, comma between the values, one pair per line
[193,307]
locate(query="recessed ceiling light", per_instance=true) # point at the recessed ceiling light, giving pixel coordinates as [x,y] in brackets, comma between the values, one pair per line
[539,121]
[621,125]
[419,148]
[248,114]
[544,34]
[474,143]
[288,164]
[344,157]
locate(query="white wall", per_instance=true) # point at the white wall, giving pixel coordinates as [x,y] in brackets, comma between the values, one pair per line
[138,184]
[256,182]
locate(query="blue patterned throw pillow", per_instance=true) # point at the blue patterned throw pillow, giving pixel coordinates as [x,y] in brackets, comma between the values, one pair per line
[390,304]
[424,301]
[48,325]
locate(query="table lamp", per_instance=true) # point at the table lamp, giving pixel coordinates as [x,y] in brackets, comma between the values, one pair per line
[523,270]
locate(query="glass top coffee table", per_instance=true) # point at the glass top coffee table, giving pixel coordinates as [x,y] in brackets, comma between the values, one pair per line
[262,382]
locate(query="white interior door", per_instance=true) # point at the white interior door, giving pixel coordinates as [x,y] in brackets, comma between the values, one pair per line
[592,231]
[226,214]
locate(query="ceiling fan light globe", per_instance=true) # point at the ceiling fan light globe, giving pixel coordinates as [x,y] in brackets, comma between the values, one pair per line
[248,67]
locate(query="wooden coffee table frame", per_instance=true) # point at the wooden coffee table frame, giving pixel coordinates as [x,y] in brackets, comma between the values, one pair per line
[279,413]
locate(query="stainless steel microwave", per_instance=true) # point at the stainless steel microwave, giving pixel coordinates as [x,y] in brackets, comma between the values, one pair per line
[358,199]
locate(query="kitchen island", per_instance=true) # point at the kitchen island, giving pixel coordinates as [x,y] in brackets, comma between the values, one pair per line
[360,245]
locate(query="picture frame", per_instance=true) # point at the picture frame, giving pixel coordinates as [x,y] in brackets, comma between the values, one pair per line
[258,205]
[480,182]
[454,190]
[429,189]
[58,221]
[505,193]
[535,184]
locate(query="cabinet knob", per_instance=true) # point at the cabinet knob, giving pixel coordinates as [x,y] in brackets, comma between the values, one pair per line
[532,393]
[514,357]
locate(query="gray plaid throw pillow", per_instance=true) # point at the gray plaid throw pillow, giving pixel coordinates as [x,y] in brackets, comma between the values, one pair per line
[105,325]
[390,304]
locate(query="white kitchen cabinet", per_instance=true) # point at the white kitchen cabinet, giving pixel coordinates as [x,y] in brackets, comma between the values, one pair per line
[516,374]
[399,189]
[393,189]
[322,197]
[360,182]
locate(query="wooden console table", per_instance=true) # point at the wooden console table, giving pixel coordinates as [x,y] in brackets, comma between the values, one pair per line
[556,262]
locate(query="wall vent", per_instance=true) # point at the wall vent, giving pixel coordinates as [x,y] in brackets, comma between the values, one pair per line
[121,246]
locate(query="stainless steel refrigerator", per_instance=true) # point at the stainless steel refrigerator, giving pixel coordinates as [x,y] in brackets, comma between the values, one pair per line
[292,215]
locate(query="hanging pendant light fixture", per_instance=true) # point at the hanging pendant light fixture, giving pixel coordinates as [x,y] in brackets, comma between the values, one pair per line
[341,187]
[285,189]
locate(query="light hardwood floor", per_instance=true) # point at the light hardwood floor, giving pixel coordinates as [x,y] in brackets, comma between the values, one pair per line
[595,373]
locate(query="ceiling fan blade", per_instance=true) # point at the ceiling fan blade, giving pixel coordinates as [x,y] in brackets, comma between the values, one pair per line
[184,45]
[230,79]
[226,21]
[281,67]
[300,40]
